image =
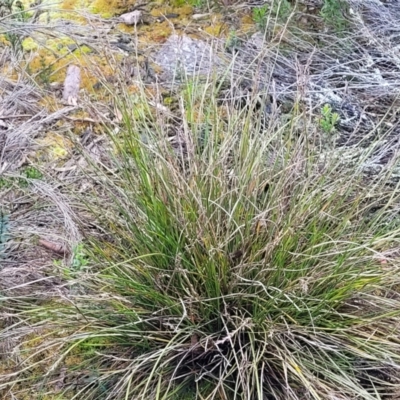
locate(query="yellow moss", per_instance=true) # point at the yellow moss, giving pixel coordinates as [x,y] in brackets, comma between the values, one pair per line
[56,147]
[247,24]
[110,8]
[158,33]
[79,122]
[3,40]
[85,50]
[9,72]
[50,103]
[185,10]
[216,26]
[66,13]
[88,81]
[39,364]
[73,360]
[29,348]
[216,29]
[168,101]
[159,12]
[150,93]
[247,20]
[29,44]
[26,3]
[133,89]
[46,65]
[60,45]
[109,251]
[68,5]
[281,34]
[93,69]
[76,4]
[126,28]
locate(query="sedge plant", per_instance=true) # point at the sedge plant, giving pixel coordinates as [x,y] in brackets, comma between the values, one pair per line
[235,262]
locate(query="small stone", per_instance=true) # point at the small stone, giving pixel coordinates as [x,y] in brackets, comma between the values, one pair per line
[182,55]
[131,18]
[197,17]
[71,85]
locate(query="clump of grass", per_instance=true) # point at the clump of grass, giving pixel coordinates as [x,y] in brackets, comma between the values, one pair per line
[236,264]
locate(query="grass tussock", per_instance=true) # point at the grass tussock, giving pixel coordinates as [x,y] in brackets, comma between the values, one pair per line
[236,260]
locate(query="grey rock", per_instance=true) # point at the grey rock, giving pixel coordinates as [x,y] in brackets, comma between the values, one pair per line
[182,56]
[131,18]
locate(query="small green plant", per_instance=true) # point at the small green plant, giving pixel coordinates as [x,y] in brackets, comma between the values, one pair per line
[5,183]
[45,72]
[29,173]
[279,9]
[232,42]
[194,3]
[79,258]
[78,261]
[328,119]
[14,40]
[282,9]
[4,231]
[20,14]
[260,15]
[32,173]
[15,11]
[197,3]
[332,12]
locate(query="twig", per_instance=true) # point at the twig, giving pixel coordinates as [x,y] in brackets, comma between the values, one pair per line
[15,116]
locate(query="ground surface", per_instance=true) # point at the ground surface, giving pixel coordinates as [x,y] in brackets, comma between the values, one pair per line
[311,56]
